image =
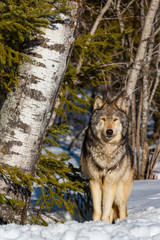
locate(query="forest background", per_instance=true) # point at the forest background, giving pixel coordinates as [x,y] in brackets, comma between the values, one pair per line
[116,52]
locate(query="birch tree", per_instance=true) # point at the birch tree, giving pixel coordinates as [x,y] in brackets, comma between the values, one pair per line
[140,55]
[142,64]
[26,111]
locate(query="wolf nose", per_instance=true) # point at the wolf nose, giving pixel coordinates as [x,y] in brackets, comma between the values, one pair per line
[109,132]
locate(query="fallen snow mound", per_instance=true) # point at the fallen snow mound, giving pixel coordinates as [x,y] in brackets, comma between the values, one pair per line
[142,223]
[128,229]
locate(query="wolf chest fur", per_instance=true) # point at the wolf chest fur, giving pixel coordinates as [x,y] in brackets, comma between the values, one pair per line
[107,161]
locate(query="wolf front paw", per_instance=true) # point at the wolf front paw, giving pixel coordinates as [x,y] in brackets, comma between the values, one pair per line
[108,219]
[96,216]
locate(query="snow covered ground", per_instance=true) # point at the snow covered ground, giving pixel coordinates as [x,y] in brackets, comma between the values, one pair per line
[142,223]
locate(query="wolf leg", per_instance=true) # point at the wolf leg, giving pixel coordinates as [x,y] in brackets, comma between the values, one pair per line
[96,192]
[122,210]
[109,190]
[122,194]
[115,212]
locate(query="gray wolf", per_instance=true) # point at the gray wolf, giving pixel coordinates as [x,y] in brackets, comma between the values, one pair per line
[107,161]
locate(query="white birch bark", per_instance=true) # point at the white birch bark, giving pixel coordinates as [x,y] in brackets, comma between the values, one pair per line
[146,106]
[146,33]
[121,24]
[27,110]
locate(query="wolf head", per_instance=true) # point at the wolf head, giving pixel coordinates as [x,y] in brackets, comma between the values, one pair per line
[109,122]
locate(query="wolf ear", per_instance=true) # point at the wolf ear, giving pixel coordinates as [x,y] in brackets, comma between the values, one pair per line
[121,104]
[98,103]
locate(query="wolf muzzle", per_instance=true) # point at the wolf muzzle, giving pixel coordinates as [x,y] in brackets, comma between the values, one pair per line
[109,133]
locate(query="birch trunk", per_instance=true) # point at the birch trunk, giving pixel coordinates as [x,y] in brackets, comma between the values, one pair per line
[146,33]
[133,125]
[26,112]
[122,27]
[138,135]
[145,107]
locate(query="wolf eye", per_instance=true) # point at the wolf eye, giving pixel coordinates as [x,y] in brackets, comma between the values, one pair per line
[103,119]
[115,119]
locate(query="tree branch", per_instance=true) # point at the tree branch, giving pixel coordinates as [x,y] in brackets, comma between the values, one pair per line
[92,32]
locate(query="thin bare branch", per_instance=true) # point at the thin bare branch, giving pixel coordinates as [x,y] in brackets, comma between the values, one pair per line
[72,144]
[92,32]
[99,18]
[114,64]
[129,4]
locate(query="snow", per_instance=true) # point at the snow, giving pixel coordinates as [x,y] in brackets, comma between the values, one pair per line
[130,228]
[142,223]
